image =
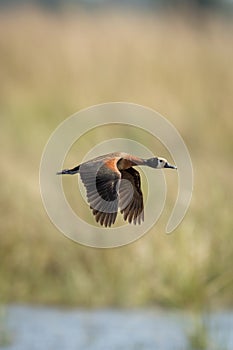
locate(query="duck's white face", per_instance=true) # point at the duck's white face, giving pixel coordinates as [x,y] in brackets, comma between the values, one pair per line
[161,163]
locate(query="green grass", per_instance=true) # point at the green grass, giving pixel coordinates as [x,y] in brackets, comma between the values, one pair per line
[5,335]
[200,335]
[53,65]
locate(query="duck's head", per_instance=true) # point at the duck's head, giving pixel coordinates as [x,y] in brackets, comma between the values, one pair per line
[159,163]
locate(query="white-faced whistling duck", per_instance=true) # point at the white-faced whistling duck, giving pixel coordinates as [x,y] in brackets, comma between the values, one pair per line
[106,191]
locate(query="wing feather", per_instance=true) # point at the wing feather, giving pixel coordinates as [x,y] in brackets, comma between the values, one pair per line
[102,184]
[131,197]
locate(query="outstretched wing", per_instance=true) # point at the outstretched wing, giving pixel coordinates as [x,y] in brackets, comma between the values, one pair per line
[101,180]
[131,198]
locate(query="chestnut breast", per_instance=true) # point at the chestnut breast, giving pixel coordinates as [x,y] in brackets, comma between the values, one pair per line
[125,163]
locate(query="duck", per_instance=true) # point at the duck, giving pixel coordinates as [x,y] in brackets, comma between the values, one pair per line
[112,184]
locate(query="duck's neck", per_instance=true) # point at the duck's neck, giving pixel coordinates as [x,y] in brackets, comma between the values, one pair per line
[126,163]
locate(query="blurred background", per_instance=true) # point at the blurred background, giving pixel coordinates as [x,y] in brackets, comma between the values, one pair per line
[57,57]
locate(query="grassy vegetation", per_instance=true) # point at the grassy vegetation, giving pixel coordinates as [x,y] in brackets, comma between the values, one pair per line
[53,65]
[200,336]
[5,335]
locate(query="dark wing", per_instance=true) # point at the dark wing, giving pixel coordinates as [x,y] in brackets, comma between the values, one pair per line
[131,198]
[101,182]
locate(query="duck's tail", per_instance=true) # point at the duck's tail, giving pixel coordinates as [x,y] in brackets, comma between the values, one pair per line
[69,171]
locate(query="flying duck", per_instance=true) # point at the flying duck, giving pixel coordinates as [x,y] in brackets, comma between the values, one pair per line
[112,183]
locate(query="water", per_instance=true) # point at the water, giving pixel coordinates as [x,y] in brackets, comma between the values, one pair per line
[42,328]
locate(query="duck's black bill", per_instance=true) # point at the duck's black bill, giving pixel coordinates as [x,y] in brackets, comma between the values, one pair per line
[69,171]
[167,165]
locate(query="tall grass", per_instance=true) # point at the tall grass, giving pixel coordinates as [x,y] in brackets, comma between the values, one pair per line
[5,335]
[53,65]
